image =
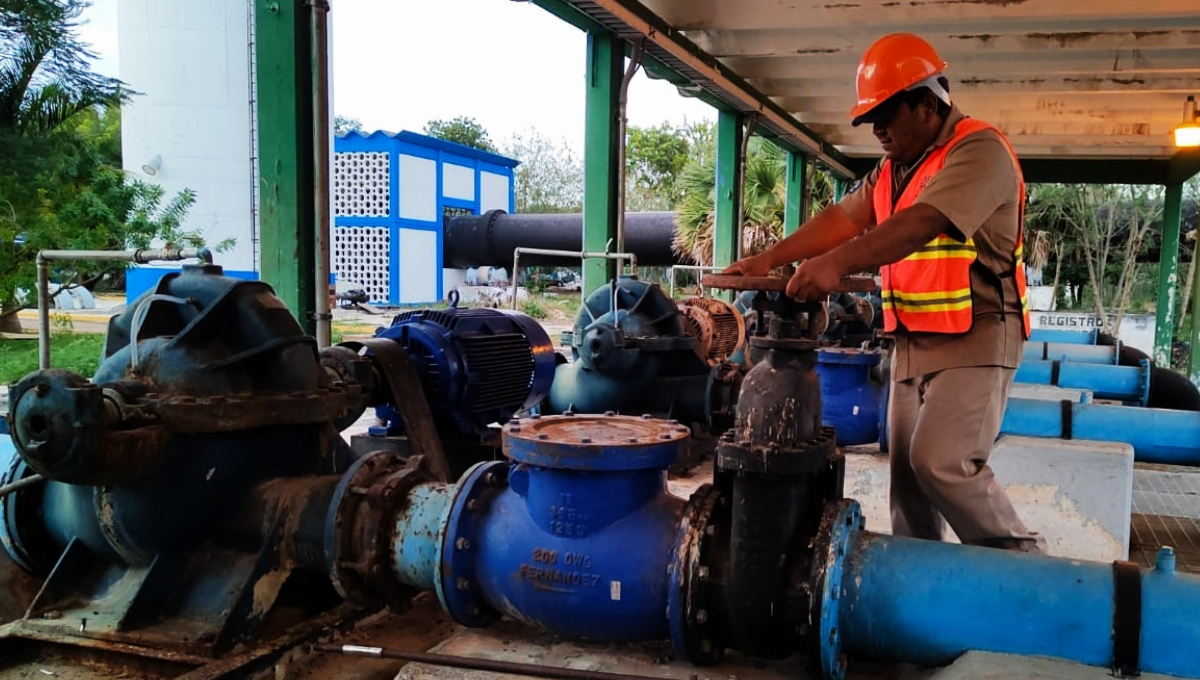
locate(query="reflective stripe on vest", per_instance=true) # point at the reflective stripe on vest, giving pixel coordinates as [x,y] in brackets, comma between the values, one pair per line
[930,290]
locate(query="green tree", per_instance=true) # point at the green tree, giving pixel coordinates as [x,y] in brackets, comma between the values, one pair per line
[99,128]
[550,176]
[764,195]
[344,125]
[1104,227]
[45,76]
[61,185]
[462,130]
[654,159]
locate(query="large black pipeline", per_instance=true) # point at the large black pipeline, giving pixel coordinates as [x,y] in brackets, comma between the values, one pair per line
[489,239]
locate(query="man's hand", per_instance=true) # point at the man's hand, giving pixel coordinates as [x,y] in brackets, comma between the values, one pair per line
[815,279]
[755,265]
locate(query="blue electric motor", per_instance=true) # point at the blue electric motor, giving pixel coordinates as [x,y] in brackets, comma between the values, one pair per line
[477,366]
[852,400]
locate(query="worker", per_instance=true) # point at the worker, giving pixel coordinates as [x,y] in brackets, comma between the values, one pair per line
[941,215]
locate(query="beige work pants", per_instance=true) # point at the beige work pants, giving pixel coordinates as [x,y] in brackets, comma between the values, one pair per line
[941,429]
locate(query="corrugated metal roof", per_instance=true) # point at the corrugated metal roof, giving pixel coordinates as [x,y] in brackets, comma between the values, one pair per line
[1067,80]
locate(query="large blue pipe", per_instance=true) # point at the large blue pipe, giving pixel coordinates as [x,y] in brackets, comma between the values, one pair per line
[1063,336]
[1123,383]
[592,552]
[927,602]
[1157,435]
[1083,354]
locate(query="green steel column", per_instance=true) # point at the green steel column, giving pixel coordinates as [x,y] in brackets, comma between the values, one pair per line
[840,185]
[793,207]
[728,203]
[1168,276]
[601,176]
[282,51]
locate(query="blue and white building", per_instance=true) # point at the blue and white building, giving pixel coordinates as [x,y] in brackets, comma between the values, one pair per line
[391,195]
[194,127]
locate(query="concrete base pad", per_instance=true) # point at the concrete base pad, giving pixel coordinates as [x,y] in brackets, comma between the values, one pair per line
[513,642]
[988,666]
[509,641]
[1077,494]
[1049,393]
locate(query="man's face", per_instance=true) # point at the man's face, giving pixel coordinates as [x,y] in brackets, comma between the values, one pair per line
[902,130]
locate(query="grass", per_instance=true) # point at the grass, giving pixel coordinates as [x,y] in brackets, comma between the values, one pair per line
[76,352]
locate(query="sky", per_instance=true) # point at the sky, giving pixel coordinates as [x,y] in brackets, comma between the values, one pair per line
[510,65]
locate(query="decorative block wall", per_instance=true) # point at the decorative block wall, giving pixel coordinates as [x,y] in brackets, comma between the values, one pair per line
[363,255]
[390,195]
[362,185]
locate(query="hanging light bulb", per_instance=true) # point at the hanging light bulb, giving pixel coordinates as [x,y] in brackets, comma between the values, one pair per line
[1188,134]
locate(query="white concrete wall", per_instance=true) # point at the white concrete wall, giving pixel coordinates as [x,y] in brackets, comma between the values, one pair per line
[190,60]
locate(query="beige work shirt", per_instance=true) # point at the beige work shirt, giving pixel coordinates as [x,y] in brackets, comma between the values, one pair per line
[977,191]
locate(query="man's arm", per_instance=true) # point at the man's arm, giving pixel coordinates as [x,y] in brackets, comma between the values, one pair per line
[901,235]
[897,237]
[827,230]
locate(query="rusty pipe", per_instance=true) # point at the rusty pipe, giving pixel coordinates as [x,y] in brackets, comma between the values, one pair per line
[137,256]
[322,316]
[581,255]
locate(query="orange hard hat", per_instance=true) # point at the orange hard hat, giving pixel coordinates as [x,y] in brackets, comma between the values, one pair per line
[892,64]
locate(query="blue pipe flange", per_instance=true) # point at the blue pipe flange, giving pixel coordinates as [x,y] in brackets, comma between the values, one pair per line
[458,588]
[601,443]
[686,606]
[840,521]
[1147,374]
[358,537]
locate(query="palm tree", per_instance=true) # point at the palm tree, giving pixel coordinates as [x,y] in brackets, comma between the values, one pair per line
[764,195]
[44,69]
[45,82]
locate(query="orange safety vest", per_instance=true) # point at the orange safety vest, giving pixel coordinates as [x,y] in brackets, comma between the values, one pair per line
[930,290]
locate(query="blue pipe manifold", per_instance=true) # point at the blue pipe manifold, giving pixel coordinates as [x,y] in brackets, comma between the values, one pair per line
[578,536]
[575,536]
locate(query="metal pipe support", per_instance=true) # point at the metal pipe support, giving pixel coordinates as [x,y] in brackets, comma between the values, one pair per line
[322,186]
[138,256]
[581,255]
[686,267]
